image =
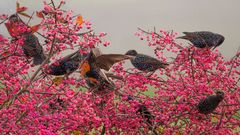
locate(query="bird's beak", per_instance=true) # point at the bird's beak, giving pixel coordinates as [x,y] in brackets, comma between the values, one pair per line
[214,47]
[131,57]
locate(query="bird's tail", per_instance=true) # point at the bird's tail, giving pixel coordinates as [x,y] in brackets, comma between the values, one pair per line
[37,60]
[186,36]
[164,65]
[183,37]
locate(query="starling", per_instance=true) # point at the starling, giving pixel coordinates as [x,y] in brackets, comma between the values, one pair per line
[145,113]
[14,24]
[31,47]
[66,65]
[94,76]
[92,67]
[57,104]
[204,39]
[210,103]
[144,62]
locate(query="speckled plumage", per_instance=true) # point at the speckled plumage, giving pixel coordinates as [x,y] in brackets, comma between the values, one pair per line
[66,65]
[210,103]
[32,48]
[203,39]
[144,62]
[145,113]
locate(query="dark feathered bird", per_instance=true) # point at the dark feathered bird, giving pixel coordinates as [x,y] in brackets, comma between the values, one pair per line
[210,103]
[31,47]
[92,66]
[144,62]
[145,113]
[95,78]
[204,39]
[66,65]
[57,104]
[15,26]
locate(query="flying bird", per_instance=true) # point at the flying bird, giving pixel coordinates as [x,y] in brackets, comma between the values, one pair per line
[204,39]
[94,76]
[31,47]
[93,66]
[144,62]
[210,103]
[66,65]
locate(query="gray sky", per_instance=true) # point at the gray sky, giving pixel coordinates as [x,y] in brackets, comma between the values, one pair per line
[120,19]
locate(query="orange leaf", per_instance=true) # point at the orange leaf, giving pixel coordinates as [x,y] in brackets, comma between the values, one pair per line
[79,20]
[40,14]
[35,28]
[57,80]
[5,54]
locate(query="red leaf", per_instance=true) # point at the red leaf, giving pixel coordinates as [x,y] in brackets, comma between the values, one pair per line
[40,14]
[20,9]
[35,28]
[12,30]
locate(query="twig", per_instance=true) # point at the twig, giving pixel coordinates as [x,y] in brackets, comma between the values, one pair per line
[22,116]
[30,18]
[3,21]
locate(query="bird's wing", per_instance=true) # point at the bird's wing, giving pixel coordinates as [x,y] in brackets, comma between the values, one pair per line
[106,61]
[96,52]
[70,56]
[103,75]
[32,45]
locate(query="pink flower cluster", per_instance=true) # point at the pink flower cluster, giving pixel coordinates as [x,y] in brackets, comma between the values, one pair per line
[30,103]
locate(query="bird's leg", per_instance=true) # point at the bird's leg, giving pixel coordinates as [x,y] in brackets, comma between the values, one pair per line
[66,75]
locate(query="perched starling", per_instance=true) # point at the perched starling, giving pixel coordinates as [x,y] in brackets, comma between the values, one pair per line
[204,39]
[31,47]
[145,113]
[210,103]
[92,67]
[144,62]
[15,26]
[66,65]
[57,104]
[143,110]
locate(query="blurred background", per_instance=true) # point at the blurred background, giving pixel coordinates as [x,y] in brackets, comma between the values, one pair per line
[120,19]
